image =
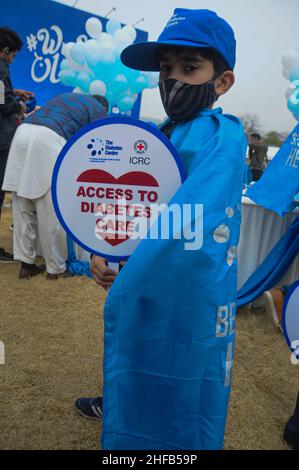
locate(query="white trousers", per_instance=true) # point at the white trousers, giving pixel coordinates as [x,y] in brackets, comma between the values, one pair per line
[32,216]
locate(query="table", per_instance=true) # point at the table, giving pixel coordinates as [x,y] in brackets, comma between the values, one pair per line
[261,229]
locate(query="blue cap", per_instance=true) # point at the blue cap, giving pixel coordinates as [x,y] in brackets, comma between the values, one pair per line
[187,28]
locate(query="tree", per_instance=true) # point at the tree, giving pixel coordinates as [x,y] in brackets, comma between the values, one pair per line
[273,139]
[250,123]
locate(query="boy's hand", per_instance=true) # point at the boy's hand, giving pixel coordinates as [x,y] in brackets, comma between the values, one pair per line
[103,275]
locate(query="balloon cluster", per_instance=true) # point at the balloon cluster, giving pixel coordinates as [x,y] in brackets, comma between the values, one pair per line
[290,62]
[93,66]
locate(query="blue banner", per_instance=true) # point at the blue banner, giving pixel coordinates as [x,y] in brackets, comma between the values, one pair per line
[44,26]
[279,184]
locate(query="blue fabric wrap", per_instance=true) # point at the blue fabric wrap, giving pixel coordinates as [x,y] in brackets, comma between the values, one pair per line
[68,113]
[273,268]
[279,184]
[75,266]
[166,372]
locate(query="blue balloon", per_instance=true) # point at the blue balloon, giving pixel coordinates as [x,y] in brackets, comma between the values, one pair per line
[78,53]
[68,77]
[112,98]
[84,79]
[125,104]
[118,84]
[138,85]
[296,116]
[103,72]
[112,26]
[152,79]
[122,69]
[293,102]
[294,74]
[64,64]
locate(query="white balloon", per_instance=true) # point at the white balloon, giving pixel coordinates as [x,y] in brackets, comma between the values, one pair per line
[78,90]
[106,54]
[285,73]
[131,32]
[93,52]
[122,38]
[106,38]
[290,59]
[91,43]
[97,87]
[93,27]
[66,49]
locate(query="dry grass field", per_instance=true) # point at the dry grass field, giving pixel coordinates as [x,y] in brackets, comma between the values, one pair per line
[53,331]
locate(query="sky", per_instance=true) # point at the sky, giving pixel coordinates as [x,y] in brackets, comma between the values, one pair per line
[264,30]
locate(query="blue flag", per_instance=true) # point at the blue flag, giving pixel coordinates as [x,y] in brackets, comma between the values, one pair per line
[273,268]
[169,316]
[280,182]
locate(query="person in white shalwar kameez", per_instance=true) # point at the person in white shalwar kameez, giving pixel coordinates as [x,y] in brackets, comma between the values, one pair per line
[34,150]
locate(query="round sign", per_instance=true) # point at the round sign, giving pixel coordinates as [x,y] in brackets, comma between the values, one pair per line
[290,318]
[106,181]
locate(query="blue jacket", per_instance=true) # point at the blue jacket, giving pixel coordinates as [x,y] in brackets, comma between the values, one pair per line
[67,113]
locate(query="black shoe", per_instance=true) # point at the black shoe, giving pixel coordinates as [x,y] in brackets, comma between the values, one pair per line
[291,436]
[89,407]
[28,271]
[291,430]
[5,257]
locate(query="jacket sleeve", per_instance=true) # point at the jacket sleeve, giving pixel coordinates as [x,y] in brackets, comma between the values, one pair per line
[11,105]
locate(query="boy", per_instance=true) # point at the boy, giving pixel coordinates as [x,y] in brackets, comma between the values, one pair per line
[169,317]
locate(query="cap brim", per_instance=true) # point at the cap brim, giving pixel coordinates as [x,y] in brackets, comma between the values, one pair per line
[142,55]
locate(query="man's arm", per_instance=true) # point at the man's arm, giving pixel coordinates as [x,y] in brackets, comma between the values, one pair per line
[251,151]
[11,105]
[24,94]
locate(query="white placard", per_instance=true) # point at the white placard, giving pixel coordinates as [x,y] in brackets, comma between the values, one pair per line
[107,176]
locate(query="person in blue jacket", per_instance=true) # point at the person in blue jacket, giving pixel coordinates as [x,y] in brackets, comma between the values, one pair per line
[32,156]
[170,313]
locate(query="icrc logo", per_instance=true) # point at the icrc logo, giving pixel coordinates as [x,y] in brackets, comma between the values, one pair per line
[140,147]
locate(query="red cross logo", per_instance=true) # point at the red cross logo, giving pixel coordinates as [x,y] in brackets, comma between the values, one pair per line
[140,146]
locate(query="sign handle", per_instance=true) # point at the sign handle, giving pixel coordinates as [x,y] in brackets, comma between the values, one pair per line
[115,267]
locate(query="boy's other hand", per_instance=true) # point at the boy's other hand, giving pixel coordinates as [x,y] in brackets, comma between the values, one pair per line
[103,275]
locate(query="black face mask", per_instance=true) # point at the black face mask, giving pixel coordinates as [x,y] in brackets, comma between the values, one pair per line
[182,101]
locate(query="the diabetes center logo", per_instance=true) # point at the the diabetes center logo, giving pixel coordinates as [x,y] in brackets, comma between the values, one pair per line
[96,147]
[140,147]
